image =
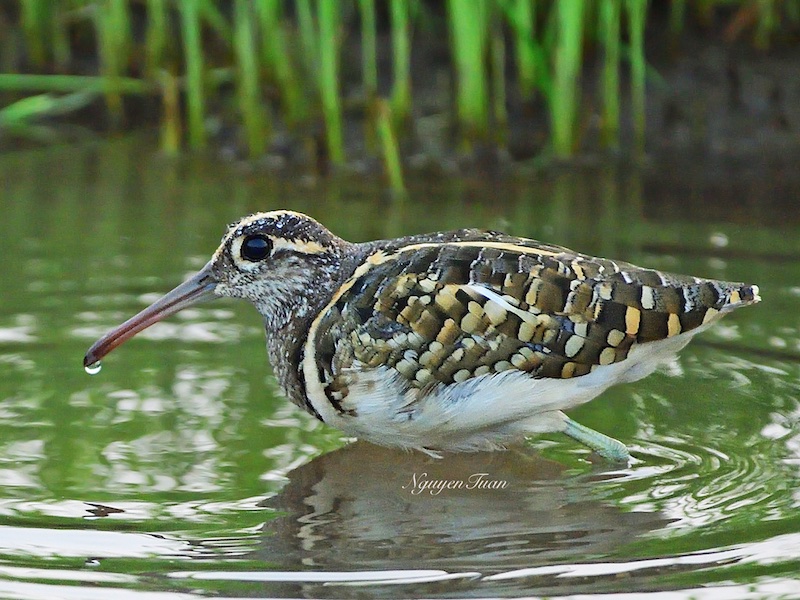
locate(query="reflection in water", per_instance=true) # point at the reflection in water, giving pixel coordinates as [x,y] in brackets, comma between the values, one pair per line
[55,543]
[368,507]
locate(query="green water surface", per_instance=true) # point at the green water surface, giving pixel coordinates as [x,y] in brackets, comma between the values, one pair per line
[178,470]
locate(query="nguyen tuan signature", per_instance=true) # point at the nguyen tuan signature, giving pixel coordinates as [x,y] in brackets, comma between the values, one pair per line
[420,482]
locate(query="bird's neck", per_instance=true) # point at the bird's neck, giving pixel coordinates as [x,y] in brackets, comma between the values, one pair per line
[284,348]
[287,325]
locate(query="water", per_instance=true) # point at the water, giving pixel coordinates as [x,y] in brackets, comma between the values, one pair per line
[178,471]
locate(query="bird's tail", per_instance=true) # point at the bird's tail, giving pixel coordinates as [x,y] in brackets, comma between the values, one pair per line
[735,295]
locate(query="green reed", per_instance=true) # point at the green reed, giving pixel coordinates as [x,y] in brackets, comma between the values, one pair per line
[609,30]
[248,85]
[74,83]
[278,60]
[637,14]
[282,59]
[369,49]
[42,22]
[468,32]
[401,52]
[211,14]
[113,28]
[568,21]
[521,15]
[497,54]
[171,123]
[308,36]
[34,18]
[20,117]
[157,35]
[328,14]
[390,148]
[193,55]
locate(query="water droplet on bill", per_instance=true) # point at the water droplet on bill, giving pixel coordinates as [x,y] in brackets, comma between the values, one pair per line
[94,368]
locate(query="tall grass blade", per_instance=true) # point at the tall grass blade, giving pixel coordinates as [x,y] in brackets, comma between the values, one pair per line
[497,53]
[389,147]
[637,16]
[278,60]
[369,49]
[609,25]
[329,25]
[73,83]
[193,57]
[44,105]
[401,54]
[522,17]
[112,23]
[34,16]
[468,38]
[533,69]
[171,128]
[308,36]
[567,67]
[248,88]
[20,119]
[62,53]
[211,14]
[369,68]
[157,35]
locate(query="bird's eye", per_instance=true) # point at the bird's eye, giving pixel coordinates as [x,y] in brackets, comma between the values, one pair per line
[256,248]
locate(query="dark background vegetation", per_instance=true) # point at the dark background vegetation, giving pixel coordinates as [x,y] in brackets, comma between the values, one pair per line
[397,85]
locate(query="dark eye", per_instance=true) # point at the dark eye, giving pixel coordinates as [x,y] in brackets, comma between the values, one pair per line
[256,248]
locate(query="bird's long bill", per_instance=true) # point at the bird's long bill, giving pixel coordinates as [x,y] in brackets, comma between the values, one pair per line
[198,288]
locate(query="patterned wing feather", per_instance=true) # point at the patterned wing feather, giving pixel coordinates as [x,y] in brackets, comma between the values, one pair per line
[447,311]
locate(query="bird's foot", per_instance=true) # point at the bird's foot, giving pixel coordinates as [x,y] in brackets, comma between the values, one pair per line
[605,446]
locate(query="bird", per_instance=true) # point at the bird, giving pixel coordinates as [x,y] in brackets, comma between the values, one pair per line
[467,340]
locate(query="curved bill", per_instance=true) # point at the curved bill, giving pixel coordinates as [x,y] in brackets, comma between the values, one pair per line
[198,288]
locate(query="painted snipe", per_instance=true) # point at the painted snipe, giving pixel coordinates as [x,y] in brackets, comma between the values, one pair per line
[457,341]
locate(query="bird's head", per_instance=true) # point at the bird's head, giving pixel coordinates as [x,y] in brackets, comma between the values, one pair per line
[283,262]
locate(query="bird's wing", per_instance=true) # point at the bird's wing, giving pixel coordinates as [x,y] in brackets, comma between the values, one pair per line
[448,312]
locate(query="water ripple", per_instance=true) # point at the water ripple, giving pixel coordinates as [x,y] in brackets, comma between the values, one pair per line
[696,485]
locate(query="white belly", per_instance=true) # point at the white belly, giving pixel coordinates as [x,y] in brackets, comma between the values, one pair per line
[482,413]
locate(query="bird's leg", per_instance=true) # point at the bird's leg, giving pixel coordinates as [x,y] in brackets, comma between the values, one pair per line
[605,446]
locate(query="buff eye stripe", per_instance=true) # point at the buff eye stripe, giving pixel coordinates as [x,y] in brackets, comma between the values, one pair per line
[300,246]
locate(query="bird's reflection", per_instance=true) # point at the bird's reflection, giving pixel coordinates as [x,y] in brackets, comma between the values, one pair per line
[365,507]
